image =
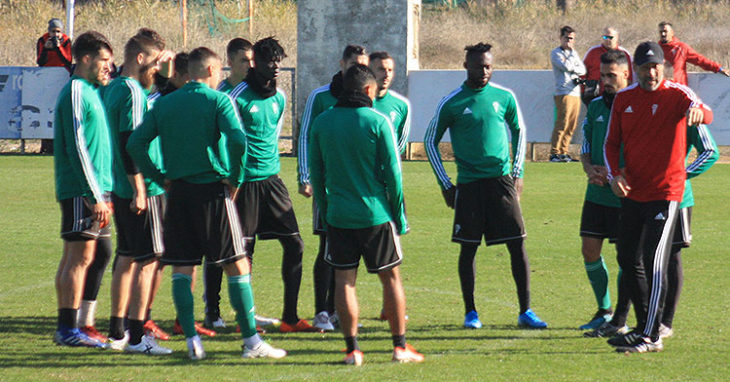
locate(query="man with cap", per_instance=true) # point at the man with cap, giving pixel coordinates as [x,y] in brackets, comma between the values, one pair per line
[54,47]
[678,54]
[648,125]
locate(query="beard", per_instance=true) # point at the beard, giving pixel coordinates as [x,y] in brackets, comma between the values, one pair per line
[146,75]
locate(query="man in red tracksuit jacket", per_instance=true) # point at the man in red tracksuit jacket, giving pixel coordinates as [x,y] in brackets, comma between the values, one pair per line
[649,120]
[592,59]
[678,54]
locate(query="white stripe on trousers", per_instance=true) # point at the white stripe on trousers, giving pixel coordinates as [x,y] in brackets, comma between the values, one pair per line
[662,250]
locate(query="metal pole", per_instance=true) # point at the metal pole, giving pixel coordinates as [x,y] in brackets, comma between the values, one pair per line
[184,21]
[70,19]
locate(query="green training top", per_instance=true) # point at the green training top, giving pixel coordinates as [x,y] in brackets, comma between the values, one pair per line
[318,101]
[396,107]
[355,169]
[699,137]
[595,126]
[262,119]
[199,131]
[82,152]
[225,86]
[126,102]
[476,120]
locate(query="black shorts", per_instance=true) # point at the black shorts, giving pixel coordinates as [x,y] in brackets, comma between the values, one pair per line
[201,220]
[379,247]
[266,210]
[139,236]
[599,221]
[489,208]
[683,231]
[317,224]
[77,222]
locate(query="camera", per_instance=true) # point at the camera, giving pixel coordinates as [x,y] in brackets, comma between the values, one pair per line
[579,81]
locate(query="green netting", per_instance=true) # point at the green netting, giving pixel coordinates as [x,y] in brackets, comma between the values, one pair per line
[213,17]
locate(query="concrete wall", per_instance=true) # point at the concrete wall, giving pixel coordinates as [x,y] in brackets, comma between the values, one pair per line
[534,91]
[325,28]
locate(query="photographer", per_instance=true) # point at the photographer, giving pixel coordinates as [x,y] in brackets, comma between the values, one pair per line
[54,47]
[567,68]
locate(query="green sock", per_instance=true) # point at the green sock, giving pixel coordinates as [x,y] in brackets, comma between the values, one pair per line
[241,295]
[598,276]
[182,296]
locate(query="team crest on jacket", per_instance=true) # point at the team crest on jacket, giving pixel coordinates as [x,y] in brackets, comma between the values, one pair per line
[393,114]
[275,108]
[495,105]
[653,108]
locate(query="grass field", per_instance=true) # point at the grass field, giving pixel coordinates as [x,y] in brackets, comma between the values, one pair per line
[30,249]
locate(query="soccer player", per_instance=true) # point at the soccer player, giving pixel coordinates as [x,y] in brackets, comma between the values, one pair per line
[599,219]
[321,99]
[82,161]
[140,201]
[392,104]
[592,62]
[567,69]
[678,54]
[264,205]
[356,177]
[203,148]
[648,126]
[239,53]
[486,198]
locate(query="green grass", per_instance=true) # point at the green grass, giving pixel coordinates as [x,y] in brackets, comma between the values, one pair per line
[30,249]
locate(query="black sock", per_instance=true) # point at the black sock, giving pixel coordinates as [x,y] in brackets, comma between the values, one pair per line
[212,278]
[399,341]
[136,331]
[467,274]
[322,277]
[291,273]
[116,327]
[67,318]
[351,343]
[520,271]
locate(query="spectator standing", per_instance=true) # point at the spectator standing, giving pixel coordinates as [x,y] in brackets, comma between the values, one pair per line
[53,49]
[592,61]
[677,54]
[567,68]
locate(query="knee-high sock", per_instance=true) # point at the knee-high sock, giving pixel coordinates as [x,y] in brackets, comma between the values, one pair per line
[96,269]
[520,271]
[467,274]
[322,278]
[598,276]
[675,279]
[212,279]
[182,296]
[241,296]
[291,273]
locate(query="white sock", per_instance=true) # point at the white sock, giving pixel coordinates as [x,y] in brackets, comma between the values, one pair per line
[87,313]
[252,342]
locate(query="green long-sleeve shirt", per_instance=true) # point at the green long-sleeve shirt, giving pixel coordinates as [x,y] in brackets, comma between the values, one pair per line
[126,103]
[200,136]
[397,108]
[355,169]
[699,137]
[262,119]
[82,152]
[476,119]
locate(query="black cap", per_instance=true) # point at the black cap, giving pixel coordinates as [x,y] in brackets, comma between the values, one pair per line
[648,51]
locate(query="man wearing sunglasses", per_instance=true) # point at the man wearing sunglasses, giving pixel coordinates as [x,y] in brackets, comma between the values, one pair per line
[592,62]
[567,68]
